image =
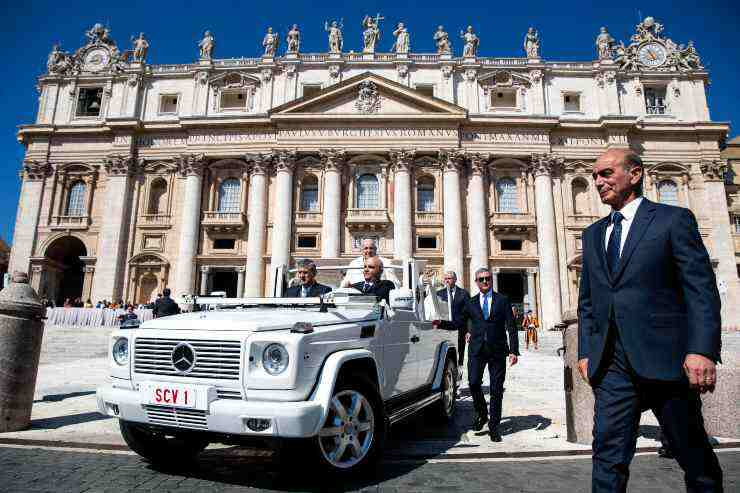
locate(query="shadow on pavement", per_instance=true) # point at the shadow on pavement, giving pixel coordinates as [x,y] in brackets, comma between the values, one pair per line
[61,397]
[72,419]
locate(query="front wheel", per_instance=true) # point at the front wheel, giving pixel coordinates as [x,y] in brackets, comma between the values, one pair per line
[445,408]
[157,448]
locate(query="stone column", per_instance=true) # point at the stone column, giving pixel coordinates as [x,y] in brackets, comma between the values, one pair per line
[204,270]
[477,216]
[257,213]
[543,167]
[723,246]
[331,228]
[239,282]
[531,291]
[494,278]
[283,216]
[112,255]
[34,176]
[87,283]
[402,162]
[192,167]
[452,162]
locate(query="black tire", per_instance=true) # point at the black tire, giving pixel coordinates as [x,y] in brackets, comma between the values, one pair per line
[444,409]
[157,448]
[371,411]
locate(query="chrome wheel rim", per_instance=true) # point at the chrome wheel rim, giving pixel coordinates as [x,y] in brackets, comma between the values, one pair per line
[448,391]
[349,430]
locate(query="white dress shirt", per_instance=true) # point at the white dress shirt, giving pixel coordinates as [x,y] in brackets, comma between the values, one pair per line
[628,211]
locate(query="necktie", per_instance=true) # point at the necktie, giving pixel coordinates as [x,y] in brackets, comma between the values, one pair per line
[612,250]
[485,306]
[304,292]
[367,287]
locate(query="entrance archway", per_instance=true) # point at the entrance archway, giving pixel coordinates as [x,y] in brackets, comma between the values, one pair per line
[65,270]
[224,281]
[512,285]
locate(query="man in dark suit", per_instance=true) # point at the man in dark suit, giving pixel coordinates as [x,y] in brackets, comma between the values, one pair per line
[491,323]
[309,287]
[373,284]
[460,299]
[165,305]
[649,327]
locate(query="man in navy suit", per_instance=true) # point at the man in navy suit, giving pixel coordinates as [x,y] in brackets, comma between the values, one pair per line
[308,288]
[491,323]
[460,299]
[649,327]
[372,284]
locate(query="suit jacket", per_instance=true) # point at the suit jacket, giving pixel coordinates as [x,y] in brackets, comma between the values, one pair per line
[492,333]
[315,290]
[459,301]
[165,306]
[662,299]
[380,288]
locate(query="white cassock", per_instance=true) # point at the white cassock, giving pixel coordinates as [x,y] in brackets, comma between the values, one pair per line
[355,275]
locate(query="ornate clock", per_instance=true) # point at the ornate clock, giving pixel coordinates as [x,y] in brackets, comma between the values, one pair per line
[652,54]
[96,59]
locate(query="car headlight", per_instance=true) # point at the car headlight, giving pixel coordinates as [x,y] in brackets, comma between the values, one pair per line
[275,359]
[120,351]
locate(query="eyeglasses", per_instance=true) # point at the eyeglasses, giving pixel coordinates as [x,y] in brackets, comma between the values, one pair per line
[485,280]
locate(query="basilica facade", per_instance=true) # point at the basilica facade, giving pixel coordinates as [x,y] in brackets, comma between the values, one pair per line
[202,176]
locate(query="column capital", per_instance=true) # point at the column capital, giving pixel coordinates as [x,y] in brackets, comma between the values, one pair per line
[713,170]
[333,159]
[285,160]
[192,164]
[35,170]
[479,163]
[205,269]
[241,269]
[259,164]
[452,160]
[120,165]
[532,271]
[402,159]
[545,164]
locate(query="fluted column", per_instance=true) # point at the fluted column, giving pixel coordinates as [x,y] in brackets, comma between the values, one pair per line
[108,280]
[543,167]
[531,291]
[255,267]
[477,214]
[331,233]
[402,162]
[27,218]
[239,282]
[283,218]
[204,271]
[191,166]
[494,278]
[452,163]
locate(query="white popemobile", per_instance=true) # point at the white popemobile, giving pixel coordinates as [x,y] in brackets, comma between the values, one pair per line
[327,373]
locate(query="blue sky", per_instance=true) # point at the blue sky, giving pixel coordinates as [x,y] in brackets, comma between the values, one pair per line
[567,30]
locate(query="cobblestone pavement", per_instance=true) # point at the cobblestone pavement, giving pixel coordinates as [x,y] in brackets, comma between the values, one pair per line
[26,469]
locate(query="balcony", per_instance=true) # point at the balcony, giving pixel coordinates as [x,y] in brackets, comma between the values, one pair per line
[308,218]
[372,219]
[155,221]
[224,221]
[512,222]
[70,222]
[428,218]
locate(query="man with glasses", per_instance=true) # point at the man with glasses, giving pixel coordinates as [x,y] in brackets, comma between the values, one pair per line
[491,324]
[371,283]
[308,288]
[369,249]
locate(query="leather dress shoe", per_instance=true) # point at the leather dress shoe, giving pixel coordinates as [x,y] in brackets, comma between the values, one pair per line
[495,436]
[479,421]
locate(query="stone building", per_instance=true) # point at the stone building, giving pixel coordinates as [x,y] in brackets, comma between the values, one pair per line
[201,176]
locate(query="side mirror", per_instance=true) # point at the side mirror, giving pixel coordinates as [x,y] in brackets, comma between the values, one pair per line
[401,299]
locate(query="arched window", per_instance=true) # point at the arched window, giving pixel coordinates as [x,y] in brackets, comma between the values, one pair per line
[668,192]
[157,197]
[508,196]
[76,199]
[310,193]
[228,195]
[367,192]
[579,190]
[425,194]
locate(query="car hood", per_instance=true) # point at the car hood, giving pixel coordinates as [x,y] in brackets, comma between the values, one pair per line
[257,319]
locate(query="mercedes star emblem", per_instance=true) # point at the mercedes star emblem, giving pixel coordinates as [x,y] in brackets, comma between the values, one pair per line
[183,357]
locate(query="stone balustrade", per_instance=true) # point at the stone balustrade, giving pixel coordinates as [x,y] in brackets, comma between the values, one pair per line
[221,221]
[306,218]
[155,220]
[428,218]
[70,222]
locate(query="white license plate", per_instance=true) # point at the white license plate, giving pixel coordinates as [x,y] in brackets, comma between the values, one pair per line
[175,395]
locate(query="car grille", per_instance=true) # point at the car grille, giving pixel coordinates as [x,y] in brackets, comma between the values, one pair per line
[213,359]
[228,394]
[181,418]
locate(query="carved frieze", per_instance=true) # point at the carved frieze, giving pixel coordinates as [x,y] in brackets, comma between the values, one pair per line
[452,160]
[368,98]
[36,170]
[333,159]
[192,164]
[285,160]
[402,160]
[446,71]
[120,165]
[479,163]
[544,164]
[259,164]
[713,170]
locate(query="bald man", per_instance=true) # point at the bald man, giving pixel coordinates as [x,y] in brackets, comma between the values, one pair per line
[372,282]
[649,327]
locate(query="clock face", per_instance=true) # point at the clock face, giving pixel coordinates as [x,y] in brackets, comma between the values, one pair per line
[652,54]
[96,59]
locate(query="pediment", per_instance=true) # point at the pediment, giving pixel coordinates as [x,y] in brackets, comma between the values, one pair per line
[369,96]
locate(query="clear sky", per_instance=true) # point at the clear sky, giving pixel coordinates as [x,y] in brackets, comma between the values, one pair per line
[567,31]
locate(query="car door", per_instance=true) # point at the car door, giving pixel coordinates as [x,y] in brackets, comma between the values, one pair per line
[400,365]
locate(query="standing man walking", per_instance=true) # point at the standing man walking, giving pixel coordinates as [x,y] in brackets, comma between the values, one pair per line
[459,299]
[491,320]
[649,327]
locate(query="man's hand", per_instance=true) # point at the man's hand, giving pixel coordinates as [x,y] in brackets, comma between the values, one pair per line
[513,359]
[701,372]
[467,337]
[583,369]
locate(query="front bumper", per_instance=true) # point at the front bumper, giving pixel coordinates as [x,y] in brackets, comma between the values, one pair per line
[228,416]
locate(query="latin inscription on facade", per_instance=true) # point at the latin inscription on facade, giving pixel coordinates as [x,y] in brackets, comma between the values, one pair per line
[504,137]
[368,132]
[578,141]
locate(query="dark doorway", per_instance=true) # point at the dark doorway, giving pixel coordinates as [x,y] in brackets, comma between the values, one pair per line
[65,272]
[224,281]
[511,284]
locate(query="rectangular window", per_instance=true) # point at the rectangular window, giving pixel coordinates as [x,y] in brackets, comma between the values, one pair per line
[426,89]
[572,102]
[233,101]
[224,243]
[655,103]
[737,224]
[426,242]
[168,104]
[311,90]
[89,101]
[307,241]
[511,245]
[503,98]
